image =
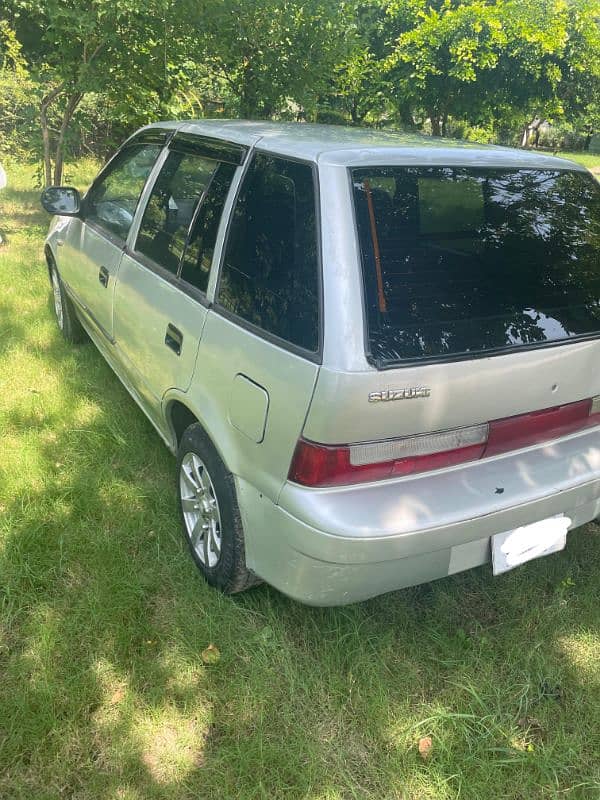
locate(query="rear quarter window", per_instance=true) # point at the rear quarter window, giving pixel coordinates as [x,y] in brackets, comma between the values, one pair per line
[270,269]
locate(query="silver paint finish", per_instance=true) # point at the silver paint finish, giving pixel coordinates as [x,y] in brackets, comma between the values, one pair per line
[85,251]
[447,497]
[145,304]
[336,144]
[226,350]
[248,408]
[58,308]
[323,569]
[463,393]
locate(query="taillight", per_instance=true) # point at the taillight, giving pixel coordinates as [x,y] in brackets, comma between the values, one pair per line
[337,465]
[525,430]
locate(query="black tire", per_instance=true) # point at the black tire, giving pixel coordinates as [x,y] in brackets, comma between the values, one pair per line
[66,317]
[229,574]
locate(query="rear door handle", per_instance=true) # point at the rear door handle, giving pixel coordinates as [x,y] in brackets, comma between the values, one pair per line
[103,276]
[174,339]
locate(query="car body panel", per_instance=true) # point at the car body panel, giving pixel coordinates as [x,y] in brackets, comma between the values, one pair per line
[146,307]
[226,351]
[85,251]
[327,570]
[443,498]
[461,393]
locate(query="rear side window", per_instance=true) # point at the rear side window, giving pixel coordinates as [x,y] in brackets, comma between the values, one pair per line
[201,245]
[173,200]
[465,261]
[270,270]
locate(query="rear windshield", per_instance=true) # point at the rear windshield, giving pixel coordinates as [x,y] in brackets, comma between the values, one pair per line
[466,261]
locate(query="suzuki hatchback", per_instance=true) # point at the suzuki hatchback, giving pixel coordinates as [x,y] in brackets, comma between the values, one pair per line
[376,356]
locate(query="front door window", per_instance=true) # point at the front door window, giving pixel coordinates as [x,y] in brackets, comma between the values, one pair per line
[113,198]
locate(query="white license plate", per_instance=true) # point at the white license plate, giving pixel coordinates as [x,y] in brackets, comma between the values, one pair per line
[523,544]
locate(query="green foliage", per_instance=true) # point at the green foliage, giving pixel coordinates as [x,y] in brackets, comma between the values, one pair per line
[18,121]
[270,51]
[483,69]
[595,143]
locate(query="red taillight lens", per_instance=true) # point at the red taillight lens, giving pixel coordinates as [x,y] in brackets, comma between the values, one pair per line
[334,465]
[320,465]
[525,430]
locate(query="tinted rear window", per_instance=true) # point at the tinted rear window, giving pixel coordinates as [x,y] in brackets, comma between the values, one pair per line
[465,261]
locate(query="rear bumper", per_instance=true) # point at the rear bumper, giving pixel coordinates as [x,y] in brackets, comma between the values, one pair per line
[332,547]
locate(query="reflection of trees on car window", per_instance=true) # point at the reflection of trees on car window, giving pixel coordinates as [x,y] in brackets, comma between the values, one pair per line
[112,201]
[475,260]
[270,275]
[173,200]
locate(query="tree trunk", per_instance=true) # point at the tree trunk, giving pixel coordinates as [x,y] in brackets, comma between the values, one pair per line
[436,127]
[45,104]
[46,146]
[354,113]
[70,108]
[406,118]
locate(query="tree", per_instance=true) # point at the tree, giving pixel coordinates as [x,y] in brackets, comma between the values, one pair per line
[441,54]
[17,92]
[359,83]
[75,47]
[268,51]
[484,59]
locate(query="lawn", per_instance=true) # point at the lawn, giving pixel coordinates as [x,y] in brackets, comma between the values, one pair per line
[105,692]
[589,160]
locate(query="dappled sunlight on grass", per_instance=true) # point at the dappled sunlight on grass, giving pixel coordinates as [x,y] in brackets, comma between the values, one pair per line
[583,652]
[105,694]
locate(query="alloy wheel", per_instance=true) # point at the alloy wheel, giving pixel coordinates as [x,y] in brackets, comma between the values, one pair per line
[200,507]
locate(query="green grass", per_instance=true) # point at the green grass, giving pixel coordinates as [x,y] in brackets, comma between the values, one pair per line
[103,690]
[589,160]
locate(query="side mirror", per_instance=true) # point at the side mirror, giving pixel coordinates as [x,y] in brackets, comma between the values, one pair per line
[61,200]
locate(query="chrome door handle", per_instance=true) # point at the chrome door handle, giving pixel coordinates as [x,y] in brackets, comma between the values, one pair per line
[174,339]
[103,276]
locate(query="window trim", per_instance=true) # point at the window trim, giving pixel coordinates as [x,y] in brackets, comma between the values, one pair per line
[168,277]
[214,149]
[383,366]
[315,356]
[175,279]
[194,219]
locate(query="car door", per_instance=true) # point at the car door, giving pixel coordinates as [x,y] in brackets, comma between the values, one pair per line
[93,243]
[160,298]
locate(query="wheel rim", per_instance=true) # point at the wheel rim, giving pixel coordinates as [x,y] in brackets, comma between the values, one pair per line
[58,308]
[200,507]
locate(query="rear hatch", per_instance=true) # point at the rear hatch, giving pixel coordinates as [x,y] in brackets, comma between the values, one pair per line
[482,313]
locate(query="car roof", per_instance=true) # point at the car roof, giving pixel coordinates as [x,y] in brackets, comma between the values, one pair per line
[341,145]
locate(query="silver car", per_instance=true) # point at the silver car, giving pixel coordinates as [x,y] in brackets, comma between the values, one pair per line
[376,356]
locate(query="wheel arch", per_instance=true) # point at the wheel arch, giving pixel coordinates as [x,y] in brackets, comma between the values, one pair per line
[179,416]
